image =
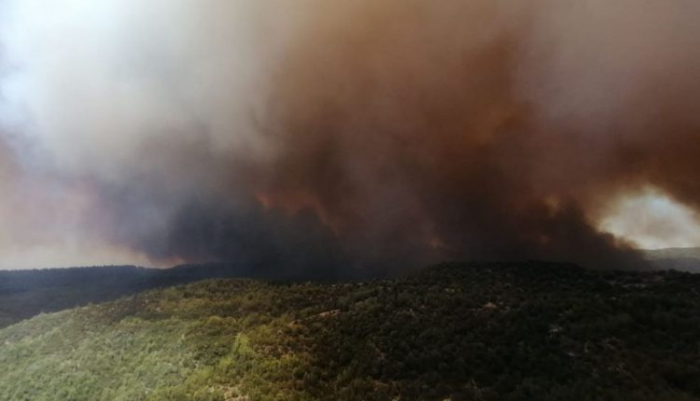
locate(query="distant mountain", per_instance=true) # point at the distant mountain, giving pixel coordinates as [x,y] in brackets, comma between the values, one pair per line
[681,259]
[673,253]
[25,293]
[524,331]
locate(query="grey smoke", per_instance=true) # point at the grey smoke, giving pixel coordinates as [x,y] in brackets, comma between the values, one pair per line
[335,137]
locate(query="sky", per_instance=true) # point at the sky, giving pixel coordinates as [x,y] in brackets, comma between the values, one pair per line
[325,138]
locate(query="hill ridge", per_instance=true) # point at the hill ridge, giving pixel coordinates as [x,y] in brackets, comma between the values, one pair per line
[454,331]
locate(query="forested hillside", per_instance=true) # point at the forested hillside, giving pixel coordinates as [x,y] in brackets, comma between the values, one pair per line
[529,331]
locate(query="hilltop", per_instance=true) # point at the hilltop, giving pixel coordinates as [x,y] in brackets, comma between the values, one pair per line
[454,331]
[27,293]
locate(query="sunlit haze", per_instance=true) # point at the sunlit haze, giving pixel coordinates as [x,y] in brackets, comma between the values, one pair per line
[653,221]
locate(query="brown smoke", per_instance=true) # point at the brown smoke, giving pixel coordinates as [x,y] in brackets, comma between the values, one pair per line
[337,136]
[412,135]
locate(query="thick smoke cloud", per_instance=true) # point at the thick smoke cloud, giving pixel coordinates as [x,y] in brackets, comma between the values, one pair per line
[341,138]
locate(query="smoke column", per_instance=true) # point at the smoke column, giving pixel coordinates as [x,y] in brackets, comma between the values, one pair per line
[326,139]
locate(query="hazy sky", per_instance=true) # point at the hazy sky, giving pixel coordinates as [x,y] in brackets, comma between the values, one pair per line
[306,134]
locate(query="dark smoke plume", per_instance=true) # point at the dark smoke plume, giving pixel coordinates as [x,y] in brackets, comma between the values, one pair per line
[342,138]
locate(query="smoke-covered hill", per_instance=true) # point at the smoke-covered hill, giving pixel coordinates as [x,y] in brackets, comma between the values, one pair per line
[26,293]
[673,253]
[682,259]
[459,332]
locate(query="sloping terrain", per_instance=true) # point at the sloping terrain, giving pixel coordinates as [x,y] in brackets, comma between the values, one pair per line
[26,293]
[459,331]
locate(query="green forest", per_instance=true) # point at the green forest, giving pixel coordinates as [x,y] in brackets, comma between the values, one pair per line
[478,331]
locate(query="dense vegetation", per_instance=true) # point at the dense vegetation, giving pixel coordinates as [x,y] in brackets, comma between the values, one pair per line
[27,293]
[459,332]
